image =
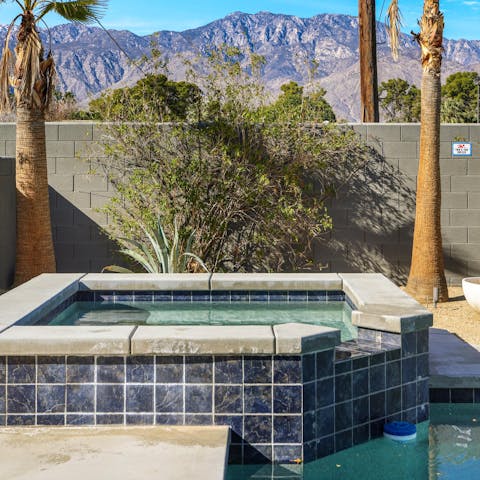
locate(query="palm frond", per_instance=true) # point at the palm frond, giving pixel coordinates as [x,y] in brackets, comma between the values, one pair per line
[27,67]
[6,67]
[80,11]
[394,24]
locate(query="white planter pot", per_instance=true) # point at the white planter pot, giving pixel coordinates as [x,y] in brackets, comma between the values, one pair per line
[471,290]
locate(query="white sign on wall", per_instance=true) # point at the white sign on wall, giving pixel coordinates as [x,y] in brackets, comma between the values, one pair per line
[461,149]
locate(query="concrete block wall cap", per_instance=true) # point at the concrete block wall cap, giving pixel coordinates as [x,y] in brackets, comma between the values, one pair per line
[276,281]
[203,340]
[37,296]
[146,281]
[78,340]
[295,338]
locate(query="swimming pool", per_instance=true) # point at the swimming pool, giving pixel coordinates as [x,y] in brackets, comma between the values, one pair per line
[447,448]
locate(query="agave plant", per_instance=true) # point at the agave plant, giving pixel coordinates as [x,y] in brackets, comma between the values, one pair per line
[157,254]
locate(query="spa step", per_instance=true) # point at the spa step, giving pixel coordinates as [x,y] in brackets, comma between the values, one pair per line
[169,453]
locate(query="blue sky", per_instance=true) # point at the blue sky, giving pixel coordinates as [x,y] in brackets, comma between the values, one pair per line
[462,17]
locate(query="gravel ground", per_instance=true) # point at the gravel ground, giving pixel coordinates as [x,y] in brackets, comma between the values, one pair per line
[457,317]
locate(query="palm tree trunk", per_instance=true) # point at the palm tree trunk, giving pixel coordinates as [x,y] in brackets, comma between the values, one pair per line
[35,253]
[427,267]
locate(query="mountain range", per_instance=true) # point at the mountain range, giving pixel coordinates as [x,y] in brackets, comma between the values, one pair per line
[89,61]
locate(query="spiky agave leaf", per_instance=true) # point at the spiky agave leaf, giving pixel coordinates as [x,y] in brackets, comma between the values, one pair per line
[197,259]
[141,250]
[149,268]
[80,11]
[156,244]
[394,24]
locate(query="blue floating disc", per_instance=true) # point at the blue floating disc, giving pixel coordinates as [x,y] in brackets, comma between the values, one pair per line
[400,431]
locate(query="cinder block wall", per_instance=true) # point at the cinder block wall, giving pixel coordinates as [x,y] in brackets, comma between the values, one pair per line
[373,217]
[7,221]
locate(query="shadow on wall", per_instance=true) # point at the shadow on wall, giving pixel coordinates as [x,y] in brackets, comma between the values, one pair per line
[373,218]
[7,222]
[80,242]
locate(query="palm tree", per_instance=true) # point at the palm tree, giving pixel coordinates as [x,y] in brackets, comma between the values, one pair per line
[31,74]
[427,265]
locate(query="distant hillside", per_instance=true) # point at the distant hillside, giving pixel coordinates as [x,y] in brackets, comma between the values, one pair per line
[89,62]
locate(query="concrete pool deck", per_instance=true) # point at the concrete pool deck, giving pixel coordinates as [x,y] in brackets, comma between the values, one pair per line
[133,453]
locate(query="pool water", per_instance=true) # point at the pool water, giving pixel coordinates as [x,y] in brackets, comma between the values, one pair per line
[331,314]
[446,448]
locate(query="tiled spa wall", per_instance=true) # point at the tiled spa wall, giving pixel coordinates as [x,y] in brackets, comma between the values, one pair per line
[280,408]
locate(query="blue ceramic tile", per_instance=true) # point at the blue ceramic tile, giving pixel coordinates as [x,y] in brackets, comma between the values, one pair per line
[182,296]
[85,296]
[258,369]
[50,398]
[176,419]
[228,399]
[20,420]
[325,392]
[287,399]
[235,422]
[361,434]
[423,413]
[110,398]
[110,370]
[139,398]
[287,369]
[317,296]
[377,358]
[278,296]
[125,297]
[143,296]
[200,296]
[240,296]
[287,429]
[376,429]
[461,395]
[368,335]
[21,399]
[257,296]
[3,370]
[21,369]
[228,370]
[287,453]
[80,398]
[343,416]
[80,420]
[198,398]
[257,428]
[343,387]
[409,369]
[422,392]
[139,419]
[80,369]
[396,417]
[394,374]
[198,369]
[308,367]
[169,398]
[360,362]
[394,354]
[220,296]
[325,446]
[325,421]
[3,400]
[110,419]
[422,366]
[360,411]
[297,296]
[309,451]
[235,454]
[51,370]
[343,440]
[140,369]
[51,420]
[102,297]
[377,378]
[162,296]
[377,405]
[309,426]
[335,296]
[324,363]
[360,385]
[409,344]
[309,397]
[440,395]
[391,340]
[258,399]
[422,341]
[198,419]
[394,400]
[169,369]
[343,366]
[476,395]
[257,454]
[350,303]
[410,415]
